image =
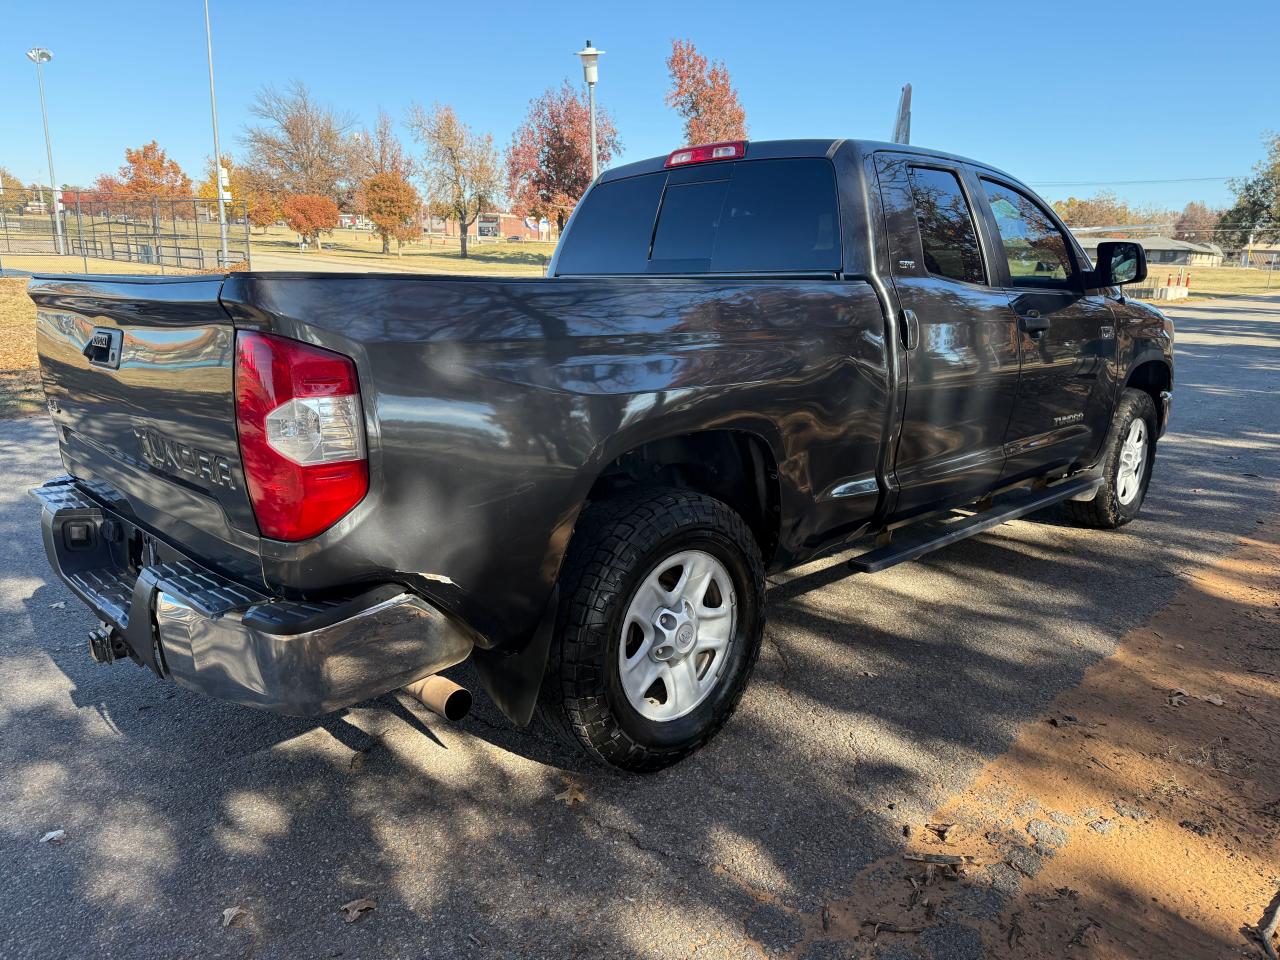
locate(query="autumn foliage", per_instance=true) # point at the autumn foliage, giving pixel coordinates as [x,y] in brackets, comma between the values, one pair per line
[147,172]
[549,160]
[392,204]
[460,167]
[703,95]
[310,215]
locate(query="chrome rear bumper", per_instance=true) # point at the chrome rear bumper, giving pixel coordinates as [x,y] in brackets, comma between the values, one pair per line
[231,642]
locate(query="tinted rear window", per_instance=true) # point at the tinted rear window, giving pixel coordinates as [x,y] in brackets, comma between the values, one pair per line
[752,216]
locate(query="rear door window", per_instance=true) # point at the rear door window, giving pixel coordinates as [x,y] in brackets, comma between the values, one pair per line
[759,216]
[947,234]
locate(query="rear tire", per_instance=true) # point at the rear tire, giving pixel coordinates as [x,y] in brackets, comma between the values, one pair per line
[660,622]
[1128,458]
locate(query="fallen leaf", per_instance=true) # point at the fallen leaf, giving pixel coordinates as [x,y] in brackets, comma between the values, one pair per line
[356,909]
[945,832]
[54,836]
[1176,698]
[1213,698]
[233,914]
[572,795]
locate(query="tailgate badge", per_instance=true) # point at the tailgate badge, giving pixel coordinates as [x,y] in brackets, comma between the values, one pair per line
[103,348]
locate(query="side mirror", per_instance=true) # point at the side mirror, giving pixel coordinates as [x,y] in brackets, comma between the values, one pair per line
[1120,262]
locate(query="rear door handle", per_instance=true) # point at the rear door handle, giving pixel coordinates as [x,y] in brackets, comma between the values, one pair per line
[1033,323]
[909,329]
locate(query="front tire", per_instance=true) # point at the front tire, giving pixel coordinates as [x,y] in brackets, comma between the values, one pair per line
[659,628]
[1128,458]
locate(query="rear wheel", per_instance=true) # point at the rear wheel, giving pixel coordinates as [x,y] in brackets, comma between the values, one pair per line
[1126,466]
[660,625]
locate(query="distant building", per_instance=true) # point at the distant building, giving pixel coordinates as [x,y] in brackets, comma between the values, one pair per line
[1262,255]
[492,226]
[1164,251]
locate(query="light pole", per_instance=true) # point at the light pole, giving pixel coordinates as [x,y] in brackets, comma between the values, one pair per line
[590,72]
[40,56]
[218,173]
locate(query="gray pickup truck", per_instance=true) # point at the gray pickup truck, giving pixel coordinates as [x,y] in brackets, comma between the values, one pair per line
[299,491]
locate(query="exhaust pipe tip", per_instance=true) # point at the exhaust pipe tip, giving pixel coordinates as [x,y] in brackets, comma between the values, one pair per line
[441,696]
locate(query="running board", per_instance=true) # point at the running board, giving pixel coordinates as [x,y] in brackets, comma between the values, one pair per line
[917,541]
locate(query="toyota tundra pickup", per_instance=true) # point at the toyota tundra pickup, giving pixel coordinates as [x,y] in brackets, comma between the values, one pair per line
[298,491]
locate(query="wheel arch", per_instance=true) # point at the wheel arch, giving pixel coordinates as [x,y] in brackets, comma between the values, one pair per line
[735,466]
[1154,377]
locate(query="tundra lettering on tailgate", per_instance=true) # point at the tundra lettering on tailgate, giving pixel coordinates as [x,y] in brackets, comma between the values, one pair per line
[173,456]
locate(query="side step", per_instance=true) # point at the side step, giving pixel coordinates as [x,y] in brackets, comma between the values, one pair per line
[915,541]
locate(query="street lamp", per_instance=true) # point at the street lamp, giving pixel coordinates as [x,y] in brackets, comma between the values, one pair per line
[219,174]
[589,56]
[40,56]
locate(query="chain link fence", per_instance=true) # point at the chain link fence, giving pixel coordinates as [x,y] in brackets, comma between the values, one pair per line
[90,232]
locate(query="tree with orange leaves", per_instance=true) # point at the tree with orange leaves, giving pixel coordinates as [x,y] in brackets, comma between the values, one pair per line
[704,96]
[392,204]
[549,160]
[310,215]
[147,172]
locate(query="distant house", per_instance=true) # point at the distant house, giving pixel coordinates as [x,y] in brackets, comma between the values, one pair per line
[1263,255]
[1165,251]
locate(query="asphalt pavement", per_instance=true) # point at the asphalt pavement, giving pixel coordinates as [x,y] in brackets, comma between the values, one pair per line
[875,699]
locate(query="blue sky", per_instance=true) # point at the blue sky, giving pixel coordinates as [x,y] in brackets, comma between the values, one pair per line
[1053,93]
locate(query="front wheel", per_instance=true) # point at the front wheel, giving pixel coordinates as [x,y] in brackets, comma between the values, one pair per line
[1126,466]
[660,625]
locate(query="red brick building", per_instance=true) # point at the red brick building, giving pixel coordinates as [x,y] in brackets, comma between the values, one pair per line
[496,226]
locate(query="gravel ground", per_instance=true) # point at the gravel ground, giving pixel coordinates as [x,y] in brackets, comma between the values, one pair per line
[875,699]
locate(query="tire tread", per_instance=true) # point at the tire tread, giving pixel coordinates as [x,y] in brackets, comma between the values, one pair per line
[609,541]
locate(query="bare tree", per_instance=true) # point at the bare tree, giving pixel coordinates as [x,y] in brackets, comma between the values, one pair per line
[301,147]
[379,151]
[460,168]
[1196,223]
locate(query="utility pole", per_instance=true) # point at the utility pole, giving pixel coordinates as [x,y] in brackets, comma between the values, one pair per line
[40,56]
[219,173]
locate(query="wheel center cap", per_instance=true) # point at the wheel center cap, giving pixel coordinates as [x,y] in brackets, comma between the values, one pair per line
[684,636]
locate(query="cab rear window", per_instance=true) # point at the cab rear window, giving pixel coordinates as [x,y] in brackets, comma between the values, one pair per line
[759,216]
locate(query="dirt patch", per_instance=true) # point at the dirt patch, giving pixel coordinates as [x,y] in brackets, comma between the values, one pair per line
[1139,818]
[20,391]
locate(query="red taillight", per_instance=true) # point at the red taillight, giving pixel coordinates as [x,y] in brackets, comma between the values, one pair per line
[301,434]
[726,150]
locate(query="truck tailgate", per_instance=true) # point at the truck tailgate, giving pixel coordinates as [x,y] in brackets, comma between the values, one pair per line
[138,374]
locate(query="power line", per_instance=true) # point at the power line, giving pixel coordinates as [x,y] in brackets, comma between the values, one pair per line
[1127,183]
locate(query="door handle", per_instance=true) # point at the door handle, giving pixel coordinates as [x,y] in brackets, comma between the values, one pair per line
[1033,323]
[909,329]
